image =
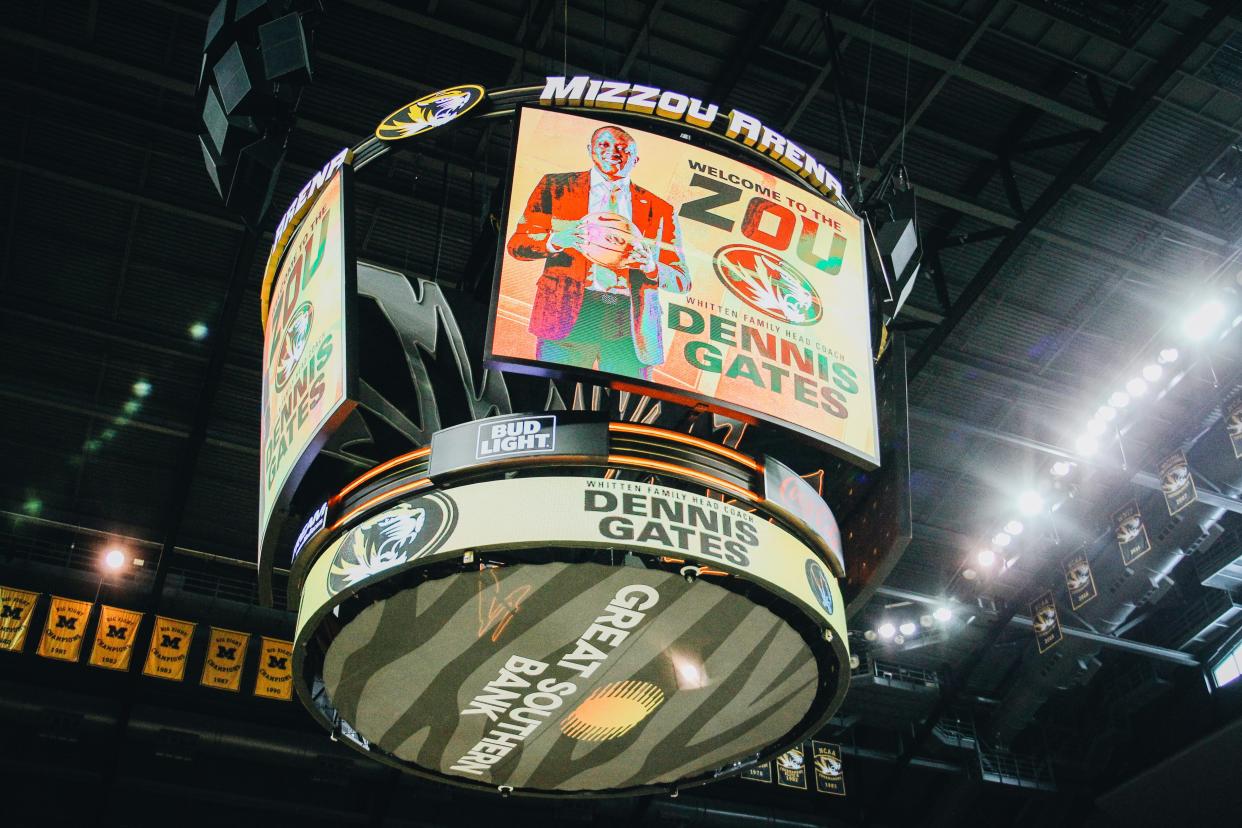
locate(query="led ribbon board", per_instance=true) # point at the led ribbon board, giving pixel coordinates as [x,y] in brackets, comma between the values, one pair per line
[554,678]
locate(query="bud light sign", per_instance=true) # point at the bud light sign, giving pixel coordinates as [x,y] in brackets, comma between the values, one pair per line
[522,435]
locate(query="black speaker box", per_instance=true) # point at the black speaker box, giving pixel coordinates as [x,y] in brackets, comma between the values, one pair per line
[235,78]
[254,179]
[286,57]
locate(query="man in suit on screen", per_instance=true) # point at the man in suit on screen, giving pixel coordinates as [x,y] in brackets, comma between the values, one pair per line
[609,247]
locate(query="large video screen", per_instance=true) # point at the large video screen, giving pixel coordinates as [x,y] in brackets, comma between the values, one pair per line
[306,377]
[644,261]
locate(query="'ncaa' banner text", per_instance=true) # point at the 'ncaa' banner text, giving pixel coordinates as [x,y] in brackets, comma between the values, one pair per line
[652,260]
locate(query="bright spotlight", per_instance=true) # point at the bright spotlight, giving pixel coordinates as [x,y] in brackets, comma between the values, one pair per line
[1119,399]
[1152,372]
[1014,527]
[1137,387]
[141,388]
[1168,355]
[1205,318]
[943,614]
[886,630]
[926,621]
[1001,539]
[115,559]
[1105,413]
[1060,468]
[969,574]
[1030,503]
[986,557]
[870,635]
[1096,426]
[1086,445]
[909,628]
[198,331]
[899,640]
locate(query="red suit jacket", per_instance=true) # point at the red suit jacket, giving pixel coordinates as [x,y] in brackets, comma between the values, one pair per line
[558,295]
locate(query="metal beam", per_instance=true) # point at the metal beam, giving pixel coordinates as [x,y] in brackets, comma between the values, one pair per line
[1127,116]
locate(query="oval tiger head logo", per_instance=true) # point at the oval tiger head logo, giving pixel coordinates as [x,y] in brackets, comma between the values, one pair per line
[429,112]
[768,284]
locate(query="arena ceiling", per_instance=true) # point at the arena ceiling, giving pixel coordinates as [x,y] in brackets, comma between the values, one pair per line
[1076,167]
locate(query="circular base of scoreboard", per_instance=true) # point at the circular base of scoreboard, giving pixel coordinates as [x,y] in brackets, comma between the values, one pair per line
[567,636]
[571,678]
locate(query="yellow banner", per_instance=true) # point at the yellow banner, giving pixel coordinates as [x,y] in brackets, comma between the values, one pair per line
[114,637]
[170,645]
[226,653]
[65,630]
[275,680]
[16,607]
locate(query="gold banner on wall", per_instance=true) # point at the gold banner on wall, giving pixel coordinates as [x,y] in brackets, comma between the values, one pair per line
[1079,580]
[275,679]
[226,653]
[791,768]
[1177,482]
[114,637]
[759,773]
[16,607]
[1045,622]
[65,629]
[829,768]
[170,647]
[1131,533]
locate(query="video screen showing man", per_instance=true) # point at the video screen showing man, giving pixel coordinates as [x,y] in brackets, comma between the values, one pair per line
[609,247]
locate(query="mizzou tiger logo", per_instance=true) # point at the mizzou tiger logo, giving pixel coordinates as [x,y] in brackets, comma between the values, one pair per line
[429,112]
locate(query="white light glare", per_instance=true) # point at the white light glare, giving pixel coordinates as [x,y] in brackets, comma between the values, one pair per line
[1119,399]
[886,630]
[1167,355]
[909,628]
[1137,387]
[1014,527]
[1205,318]
[115,559]
[1030,503]
[141,388]
[1060,468]
[1096,426]
[1152,373]
[198,331]
[1105,413]
[1086,445]
[943,614]
[986,557]
[1001,539]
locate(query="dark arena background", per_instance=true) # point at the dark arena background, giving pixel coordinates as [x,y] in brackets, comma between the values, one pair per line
[682,413]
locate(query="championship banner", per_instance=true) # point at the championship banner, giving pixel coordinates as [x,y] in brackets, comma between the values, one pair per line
[1045,622]
[65,630]
[593,512]
[275,679]
[170,648]
[759,773]
[226,653]
[16,607]
[1131,533]
[1177,483]
[1233,425]
[652,262]
[114,637]
[306,368]
[791,768]
[829,768]
[1079,580]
